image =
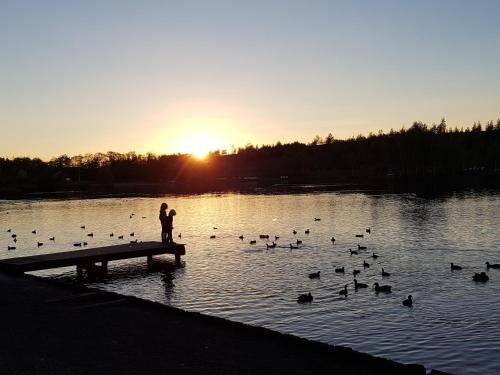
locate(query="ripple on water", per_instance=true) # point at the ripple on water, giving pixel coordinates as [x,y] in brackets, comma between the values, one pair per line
[453,325]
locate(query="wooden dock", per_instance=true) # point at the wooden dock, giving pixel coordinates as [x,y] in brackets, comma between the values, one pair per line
[88,259]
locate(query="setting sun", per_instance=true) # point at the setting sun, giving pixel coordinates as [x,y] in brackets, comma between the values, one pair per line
[200,143]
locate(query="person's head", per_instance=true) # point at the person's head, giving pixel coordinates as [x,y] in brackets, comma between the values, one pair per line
[163,206]
[172,213]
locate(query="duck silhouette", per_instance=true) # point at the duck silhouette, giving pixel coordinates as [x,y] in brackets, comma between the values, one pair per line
[368,230]
[382,288]
[120,237]
[38,244]
[332,239]
[353,252]
[361,247]
[271,246]
[33,231]
[317,219]
[359,235]
[91,234]
[306,231]
[339,269]
[365,264]
[481,277]
[385,274]
[494,266]
[52,239]
[293,247]
[455,267]
[343,292]
[314,275]
[11,247]
[253,242]
[374,256]
[356,272]
[212,236]
[241,237]
[77,244]
[408,302]
[359,285]
[294,231]
[299,242]
[304,298]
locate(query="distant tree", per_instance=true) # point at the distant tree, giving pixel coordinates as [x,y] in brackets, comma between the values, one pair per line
[329,139]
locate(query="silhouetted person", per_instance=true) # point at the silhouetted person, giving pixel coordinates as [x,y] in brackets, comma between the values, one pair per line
[170,226]
[164,222]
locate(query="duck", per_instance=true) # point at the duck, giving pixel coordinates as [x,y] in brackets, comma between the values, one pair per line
[360,235]
[359,285]
[253,242]
[339,269]
[314,275]
[33,231]
[11,247]
[306,231]
[356,272]
[264,236]
[120,237]
[52,239]
[143,217]
[361,247]
[494,266]
[299,242]
[14,235]
[294,231]
[91,234]
[317,219]
[82,227]
[38,244]
[212,236]
[385,274]
[77,244]
[382,288]
[276,238]
[293,247]
[215,228]
[85,243]
[353,252]
[240,237]
[179,235]
[332,239]
[343,292]
[303,298]
[368,230]
[132,234]
[374,256]
[111,234]
[271,246]
[455,267]
[365,264]
[408,302]
[482,277]
[9,230]
[15,240]
[133,241]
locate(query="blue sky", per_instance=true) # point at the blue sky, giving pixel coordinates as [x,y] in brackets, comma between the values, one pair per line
[88,76]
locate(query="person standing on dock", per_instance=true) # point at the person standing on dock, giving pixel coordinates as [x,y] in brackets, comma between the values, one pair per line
[164,222]
[170,226]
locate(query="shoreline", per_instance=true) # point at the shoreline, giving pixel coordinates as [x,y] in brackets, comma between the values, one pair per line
[52,327]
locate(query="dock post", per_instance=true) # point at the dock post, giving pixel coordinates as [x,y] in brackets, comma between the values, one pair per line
[79,271]
[150,259]
[177,259]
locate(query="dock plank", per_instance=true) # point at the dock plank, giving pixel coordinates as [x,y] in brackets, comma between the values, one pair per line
[90,256]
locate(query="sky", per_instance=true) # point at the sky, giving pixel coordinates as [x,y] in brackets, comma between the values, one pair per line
[183,76]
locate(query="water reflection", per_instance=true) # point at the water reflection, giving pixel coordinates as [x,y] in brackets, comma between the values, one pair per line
[416,240]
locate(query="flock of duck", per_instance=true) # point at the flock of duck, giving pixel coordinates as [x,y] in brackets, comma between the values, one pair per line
[76,244]
[302,298]
[308,297]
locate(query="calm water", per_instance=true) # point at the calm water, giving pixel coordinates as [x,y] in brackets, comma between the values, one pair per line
[454,324]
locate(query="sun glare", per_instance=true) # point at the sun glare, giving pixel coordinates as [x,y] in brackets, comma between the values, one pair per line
[200,144]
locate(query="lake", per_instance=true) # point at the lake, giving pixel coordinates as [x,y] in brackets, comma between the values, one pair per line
[454,324]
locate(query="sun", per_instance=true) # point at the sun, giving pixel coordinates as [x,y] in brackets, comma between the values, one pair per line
[199,144]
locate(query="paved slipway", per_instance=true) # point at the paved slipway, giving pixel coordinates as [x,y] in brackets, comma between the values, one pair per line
[53,328]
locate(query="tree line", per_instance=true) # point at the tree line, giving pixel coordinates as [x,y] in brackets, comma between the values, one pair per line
[419,152]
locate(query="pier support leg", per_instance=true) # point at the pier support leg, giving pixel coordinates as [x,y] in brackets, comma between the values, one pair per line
[79,271]
[177,260]
[150,259]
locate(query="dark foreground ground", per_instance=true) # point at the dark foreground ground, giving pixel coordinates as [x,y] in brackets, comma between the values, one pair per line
[51,328]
